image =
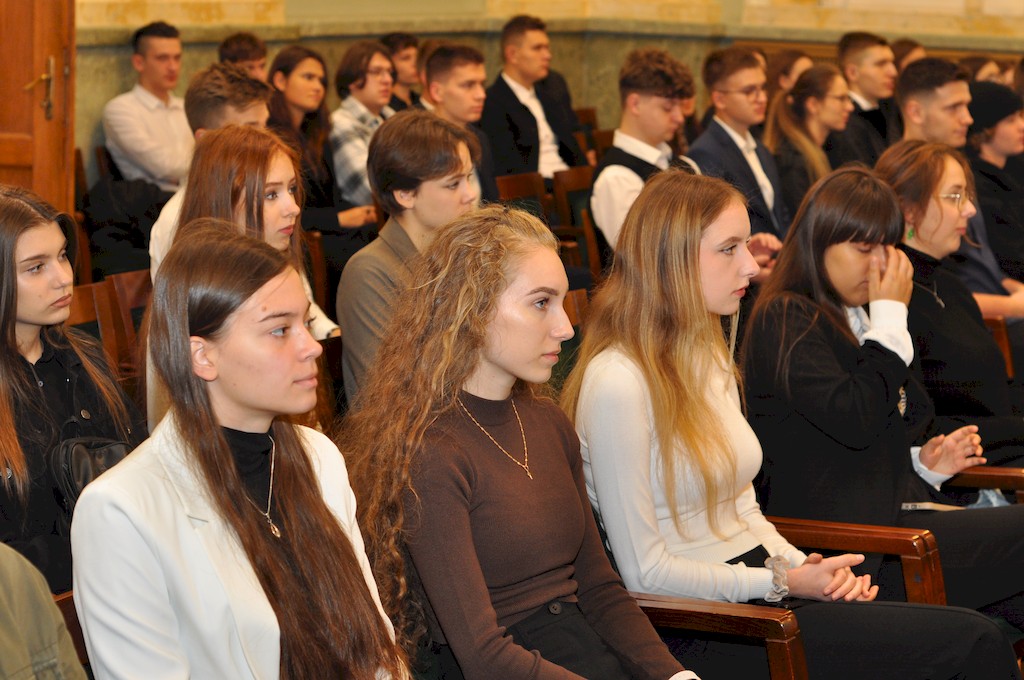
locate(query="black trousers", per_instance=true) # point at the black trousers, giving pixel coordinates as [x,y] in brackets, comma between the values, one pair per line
[982,553]
[869,640]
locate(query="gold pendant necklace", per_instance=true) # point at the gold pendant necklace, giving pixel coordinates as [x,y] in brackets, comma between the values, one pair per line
[526,452]
[270,495]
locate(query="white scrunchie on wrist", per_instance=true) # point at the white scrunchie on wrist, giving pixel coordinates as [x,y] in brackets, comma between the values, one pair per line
[780,578]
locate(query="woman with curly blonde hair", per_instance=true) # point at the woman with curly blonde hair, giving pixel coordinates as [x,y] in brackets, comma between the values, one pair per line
[471,494]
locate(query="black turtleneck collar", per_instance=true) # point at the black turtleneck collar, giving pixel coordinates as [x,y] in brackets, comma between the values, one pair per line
[924,264]
[251,451]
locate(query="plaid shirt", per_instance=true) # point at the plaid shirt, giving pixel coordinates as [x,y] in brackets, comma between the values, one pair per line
[352,125]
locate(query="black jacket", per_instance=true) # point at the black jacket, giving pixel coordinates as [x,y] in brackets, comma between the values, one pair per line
[862,140]
[512,129]
[1000,198]
[717,155]
[38,529]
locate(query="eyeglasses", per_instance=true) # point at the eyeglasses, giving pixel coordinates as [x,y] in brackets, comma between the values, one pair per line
[380,72]
[957,199]
[750,91]
[844,98]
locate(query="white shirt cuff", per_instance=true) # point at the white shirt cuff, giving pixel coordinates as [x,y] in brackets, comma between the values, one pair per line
[889,328]
[685,675]
[934,478]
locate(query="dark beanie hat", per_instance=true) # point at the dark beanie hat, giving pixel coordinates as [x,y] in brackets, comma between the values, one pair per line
[990,103]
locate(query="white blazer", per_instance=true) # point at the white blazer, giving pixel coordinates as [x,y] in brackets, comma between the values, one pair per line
[163,587]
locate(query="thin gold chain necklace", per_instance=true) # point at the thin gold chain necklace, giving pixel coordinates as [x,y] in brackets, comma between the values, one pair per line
[270,495]
[526,451]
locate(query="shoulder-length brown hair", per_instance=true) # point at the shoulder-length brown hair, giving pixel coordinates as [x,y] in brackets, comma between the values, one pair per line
[651,307]
[227,179]
[914,169]
[430,348]
[850,204]
[787,118]
[21,210]
[310,136]
[330,624]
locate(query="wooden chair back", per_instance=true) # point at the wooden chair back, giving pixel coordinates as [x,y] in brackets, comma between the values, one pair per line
[603,140]
[572,189]
[131,293]
[576,304]
[83,258]
[106,165]
[92,312]
[66,604]
[997,326]
[525,191]
[317,265]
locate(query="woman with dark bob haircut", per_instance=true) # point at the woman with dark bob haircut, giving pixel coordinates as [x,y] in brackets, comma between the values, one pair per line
[832,396]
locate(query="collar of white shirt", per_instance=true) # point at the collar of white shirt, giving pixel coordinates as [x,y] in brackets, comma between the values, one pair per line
[659,156]
[746,144]
[151,101]
[862,102]
[523,94]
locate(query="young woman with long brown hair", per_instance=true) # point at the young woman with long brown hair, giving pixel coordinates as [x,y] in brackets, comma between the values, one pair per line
[471,494]
[298,113]
[55,382]
[798,127]
[226,545]
[669,458]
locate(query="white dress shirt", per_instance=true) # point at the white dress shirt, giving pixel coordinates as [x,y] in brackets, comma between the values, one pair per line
[550,160]
[147,138]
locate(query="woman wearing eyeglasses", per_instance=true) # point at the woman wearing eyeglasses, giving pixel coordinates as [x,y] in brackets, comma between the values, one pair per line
[799,123]
[963,368]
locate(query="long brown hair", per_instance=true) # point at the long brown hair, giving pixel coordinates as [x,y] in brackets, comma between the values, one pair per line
[787,118]
[915,168]
[651,307]
[229,170]
[330,624]
[311,135]
[21,210]
[851,204]
[430,348]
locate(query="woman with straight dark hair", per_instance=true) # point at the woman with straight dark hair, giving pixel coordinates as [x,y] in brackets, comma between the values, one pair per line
[961,364]
[299,114]
[226,545]
[798,127]
[55,382]
[669,458]
[472,495]
[832,396]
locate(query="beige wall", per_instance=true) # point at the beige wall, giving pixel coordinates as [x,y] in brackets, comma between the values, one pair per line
[590,38]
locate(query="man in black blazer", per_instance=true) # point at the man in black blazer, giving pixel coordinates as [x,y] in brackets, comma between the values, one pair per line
[456,82]
[530,128]
[869,66]
[736,82]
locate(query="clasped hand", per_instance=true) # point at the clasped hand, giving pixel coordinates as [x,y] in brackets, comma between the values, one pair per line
[831,579]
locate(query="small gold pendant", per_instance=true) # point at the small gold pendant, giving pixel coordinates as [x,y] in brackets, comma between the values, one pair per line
[274,530]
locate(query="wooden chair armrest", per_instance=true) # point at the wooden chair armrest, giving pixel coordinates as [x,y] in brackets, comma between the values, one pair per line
[66,604]
[917,549]
[986,477]
[777,627]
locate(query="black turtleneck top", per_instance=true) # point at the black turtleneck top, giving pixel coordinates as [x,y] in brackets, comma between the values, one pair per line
[252,457]
[962,366]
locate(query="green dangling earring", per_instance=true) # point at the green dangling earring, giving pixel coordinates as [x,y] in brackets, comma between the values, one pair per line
[910,233]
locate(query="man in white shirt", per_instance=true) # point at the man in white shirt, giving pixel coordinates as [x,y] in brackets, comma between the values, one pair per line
[146,131]
[736,82]
[652,85]
[529,130]
[223,94]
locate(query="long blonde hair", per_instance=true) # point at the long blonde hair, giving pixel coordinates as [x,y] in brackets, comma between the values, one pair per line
[430,348]
[651,308]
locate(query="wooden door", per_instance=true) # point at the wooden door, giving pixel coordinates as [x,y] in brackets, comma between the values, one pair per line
[37,38]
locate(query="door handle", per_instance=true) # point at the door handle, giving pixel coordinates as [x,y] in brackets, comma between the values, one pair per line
[47,79]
